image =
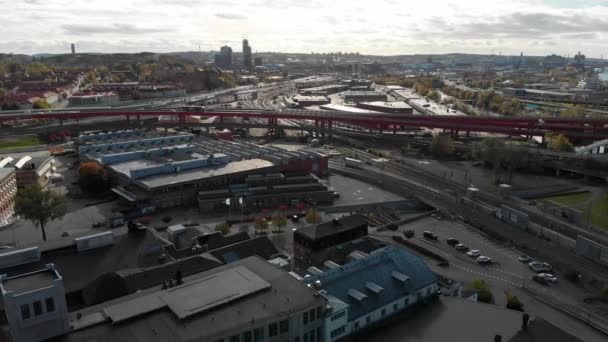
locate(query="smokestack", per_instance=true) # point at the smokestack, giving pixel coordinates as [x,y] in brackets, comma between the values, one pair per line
[524,321]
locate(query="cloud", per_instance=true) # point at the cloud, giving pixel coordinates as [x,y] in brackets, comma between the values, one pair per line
[230,16]
[126,29]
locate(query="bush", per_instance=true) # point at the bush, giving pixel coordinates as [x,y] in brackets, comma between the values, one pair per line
[409,234]
[484,294]
[223,228]
[513,302]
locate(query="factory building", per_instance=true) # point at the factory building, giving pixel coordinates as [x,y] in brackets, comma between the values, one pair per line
[306,101]
[324,90]
[364,96]
[397,107]
[169,171]
[347,109]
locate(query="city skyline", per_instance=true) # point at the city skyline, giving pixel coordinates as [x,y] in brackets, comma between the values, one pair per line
[387,27]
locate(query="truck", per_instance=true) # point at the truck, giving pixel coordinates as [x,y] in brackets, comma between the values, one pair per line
[354,163]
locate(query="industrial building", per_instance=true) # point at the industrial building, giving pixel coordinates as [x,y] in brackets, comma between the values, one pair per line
[372,288]
[31,170]
[324,90]
[267,191]
[397,107]
[347,109]
[312,240]
[169,171]
[8,189]
[306,101]
[364,96]
[538,94]
[108,98]
[248,300]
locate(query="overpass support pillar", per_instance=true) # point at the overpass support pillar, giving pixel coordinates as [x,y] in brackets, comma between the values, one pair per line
[138,120]
[394,129]
[330,125]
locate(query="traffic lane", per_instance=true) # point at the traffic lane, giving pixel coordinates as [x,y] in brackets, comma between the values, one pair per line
[504,259]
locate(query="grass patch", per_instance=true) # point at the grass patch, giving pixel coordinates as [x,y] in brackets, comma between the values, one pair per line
[571,200]
[26,141]
[598,211]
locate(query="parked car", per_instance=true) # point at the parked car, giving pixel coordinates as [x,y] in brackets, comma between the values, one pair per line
[294,218]
[524,258]
[452,242]
[429,235]
[540,279]
[540,267]
[461,247]
[474,253]
[484,260]
[550,277]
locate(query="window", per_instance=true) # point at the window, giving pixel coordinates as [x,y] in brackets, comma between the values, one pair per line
[368,319]
[37,308]
[50,304]
[306,318]
[337,332]
[338,315]
[258,334]
[311,314]
[319,312]
[383,312]
[235,338]
[273,329]
[395,307]
[305,337]
[312,335]
[25,311]
[319,337]
[246,336]
[283,326]
[356,325]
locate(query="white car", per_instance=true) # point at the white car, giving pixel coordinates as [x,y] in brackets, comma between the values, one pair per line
[484,260]
[550,277]
[461,247]
[474,253]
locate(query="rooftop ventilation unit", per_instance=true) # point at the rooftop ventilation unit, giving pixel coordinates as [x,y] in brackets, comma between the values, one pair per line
[19,257]
[94,241]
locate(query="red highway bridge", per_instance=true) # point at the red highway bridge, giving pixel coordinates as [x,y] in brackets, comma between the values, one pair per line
[583,129]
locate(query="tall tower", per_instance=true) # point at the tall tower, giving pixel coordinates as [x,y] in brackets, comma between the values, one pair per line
[224,59]
[73,49]
[247,62]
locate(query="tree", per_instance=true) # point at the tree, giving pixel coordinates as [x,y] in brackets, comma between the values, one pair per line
[433,95]
[41,104]
[513,302]
[559,142]
[223,228]
[484,294]
[39,206]
[92,177]
[261,224]
[279,221]
[313,217]
[442,145]
[576,112]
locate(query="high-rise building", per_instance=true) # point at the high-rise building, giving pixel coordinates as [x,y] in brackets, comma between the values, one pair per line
[247,62]
[224,59]
[258,61]
[579,60]
[73,49]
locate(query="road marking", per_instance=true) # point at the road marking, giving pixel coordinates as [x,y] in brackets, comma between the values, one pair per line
[488,275]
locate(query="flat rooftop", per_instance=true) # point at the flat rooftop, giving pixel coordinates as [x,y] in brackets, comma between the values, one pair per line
[216,303]
[166,180]
[388,104]
[448,318]
[348,109]
[30,281]
[332,227]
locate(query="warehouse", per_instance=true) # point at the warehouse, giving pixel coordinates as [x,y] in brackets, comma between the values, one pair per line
[364,96]
[398,107]
[306,101]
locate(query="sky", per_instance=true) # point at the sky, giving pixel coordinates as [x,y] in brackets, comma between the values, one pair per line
[378,27]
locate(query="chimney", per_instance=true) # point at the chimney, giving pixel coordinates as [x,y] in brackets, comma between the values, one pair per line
[524,321]
[497,338]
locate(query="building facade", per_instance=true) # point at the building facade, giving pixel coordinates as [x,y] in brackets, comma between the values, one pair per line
[35,305]
[247,57]
[8,189]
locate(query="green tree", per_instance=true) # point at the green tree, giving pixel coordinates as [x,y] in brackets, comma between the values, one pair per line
[223,228]
[513,302]
[442,145]
[279,221]
[484,294]
[313,217]
[41,104]
[575,112]
[559,142]
[433,95]
[261,224]
[39,206]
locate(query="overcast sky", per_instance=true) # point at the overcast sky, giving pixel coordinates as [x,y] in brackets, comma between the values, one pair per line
[387,27]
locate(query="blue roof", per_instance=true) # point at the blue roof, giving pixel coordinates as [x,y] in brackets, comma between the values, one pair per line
[382,277]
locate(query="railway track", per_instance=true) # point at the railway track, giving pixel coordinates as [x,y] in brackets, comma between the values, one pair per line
[439,197]
[554,224]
